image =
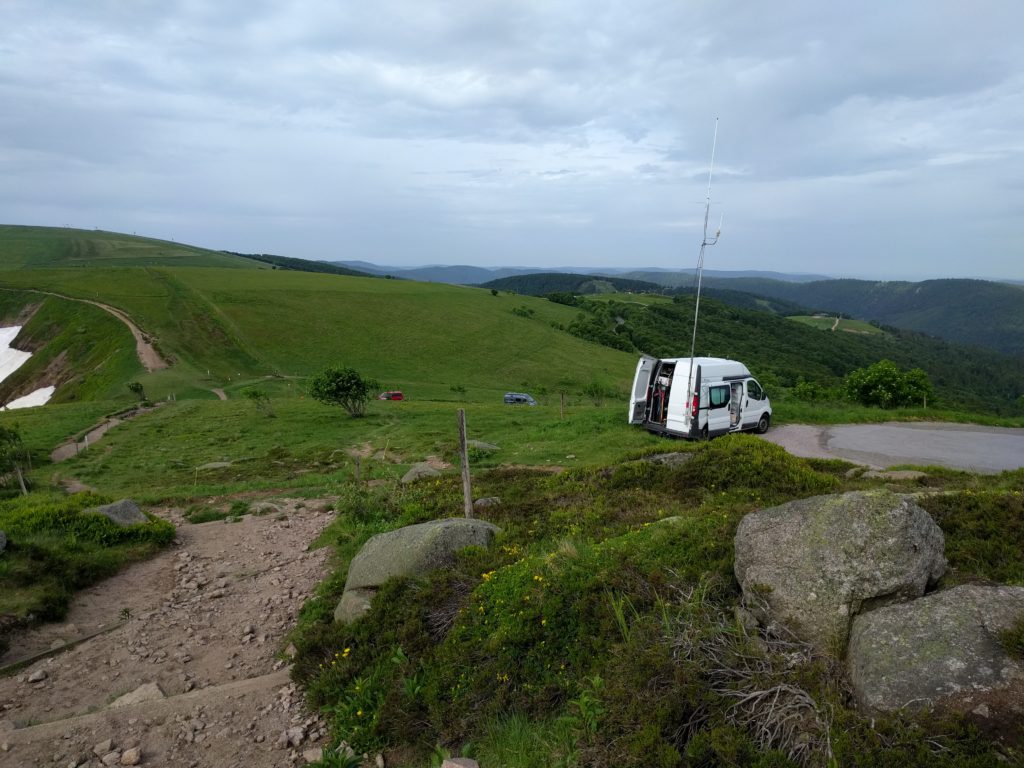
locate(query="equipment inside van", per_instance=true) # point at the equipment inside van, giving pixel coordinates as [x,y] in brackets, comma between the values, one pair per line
[698,397]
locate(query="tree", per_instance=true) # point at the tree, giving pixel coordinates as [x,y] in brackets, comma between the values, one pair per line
[885,385]
[137,390]
[13,455]
[344,387]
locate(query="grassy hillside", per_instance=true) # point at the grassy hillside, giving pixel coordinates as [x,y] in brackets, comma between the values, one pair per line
[82,350]
[300,265]
[223,327]
[46,247]
[601,629]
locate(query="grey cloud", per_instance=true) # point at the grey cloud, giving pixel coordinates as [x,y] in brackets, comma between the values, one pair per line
[525,130]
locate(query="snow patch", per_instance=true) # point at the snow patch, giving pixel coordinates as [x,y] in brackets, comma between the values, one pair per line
[40,397]
[10,361]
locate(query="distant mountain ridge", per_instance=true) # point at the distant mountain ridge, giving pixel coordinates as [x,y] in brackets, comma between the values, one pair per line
[465,274]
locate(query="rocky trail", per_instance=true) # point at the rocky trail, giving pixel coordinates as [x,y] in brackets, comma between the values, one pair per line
[181,662]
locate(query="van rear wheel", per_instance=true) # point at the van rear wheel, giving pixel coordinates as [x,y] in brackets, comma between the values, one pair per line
[762,424]
[704,433]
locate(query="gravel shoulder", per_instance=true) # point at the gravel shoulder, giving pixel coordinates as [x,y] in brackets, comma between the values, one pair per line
[198,631]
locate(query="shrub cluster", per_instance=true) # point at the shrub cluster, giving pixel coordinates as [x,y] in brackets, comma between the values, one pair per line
[886,386]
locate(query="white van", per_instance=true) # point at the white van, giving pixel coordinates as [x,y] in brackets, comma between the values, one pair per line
[723,397]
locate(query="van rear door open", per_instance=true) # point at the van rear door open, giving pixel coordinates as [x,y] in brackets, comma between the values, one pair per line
[641,384]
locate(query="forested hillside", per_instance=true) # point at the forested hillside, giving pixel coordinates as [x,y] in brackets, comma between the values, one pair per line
[547,283]
[975,312]
[543,283]
[784,352]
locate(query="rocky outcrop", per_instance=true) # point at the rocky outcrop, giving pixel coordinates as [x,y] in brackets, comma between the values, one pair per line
[941,651]
[411,551]
[123,512]
[419,471]
[814,564]
[675,459]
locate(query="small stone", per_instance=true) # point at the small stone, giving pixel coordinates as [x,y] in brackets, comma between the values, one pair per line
[981,710]
[459,762]
[111,758]
[146,692]
[296,736]
[131,756]
[38,676]
[313,755]
[103,747]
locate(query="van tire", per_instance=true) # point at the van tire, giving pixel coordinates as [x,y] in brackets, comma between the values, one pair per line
[762,424]
[704,433]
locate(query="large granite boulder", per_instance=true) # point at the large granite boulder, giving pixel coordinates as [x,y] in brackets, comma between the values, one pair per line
[411,551]
[123,512]
[814,564]
[418,472]
[942,651]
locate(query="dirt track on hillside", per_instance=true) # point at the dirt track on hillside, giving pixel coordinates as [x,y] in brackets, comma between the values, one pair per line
[148,356]
[204,622]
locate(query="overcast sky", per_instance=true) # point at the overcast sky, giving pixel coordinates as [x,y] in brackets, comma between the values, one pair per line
[878,139]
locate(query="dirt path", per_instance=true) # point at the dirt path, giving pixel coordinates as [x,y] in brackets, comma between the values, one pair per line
[201,626]
[148,356]
[71,448]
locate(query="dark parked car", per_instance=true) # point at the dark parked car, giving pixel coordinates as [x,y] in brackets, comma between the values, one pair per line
[395,395]
[518,398]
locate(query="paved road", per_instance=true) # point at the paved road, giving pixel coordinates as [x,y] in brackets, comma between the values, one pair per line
[960,446]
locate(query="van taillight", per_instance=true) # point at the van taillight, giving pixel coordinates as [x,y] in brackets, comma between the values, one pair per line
[694,405]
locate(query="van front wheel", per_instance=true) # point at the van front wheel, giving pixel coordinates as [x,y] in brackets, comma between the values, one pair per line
[762,425]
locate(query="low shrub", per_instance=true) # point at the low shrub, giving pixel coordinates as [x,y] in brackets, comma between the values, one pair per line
[984,532]
[745,462]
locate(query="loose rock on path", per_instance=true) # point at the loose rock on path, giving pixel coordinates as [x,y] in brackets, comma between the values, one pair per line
[193,662]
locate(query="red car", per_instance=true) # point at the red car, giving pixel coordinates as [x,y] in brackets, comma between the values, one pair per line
[395,395]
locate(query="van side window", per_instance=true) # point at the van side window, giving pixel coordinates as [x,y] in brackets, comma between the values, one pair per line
[754,390]
[718,396]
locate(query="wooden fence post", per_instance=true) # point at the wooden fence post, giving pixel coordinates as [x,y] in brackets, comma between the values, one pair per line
[467,492]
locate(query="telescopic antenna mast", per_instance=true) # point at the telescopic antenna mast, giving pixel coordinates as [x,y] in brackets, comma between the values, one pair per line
[705,242]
